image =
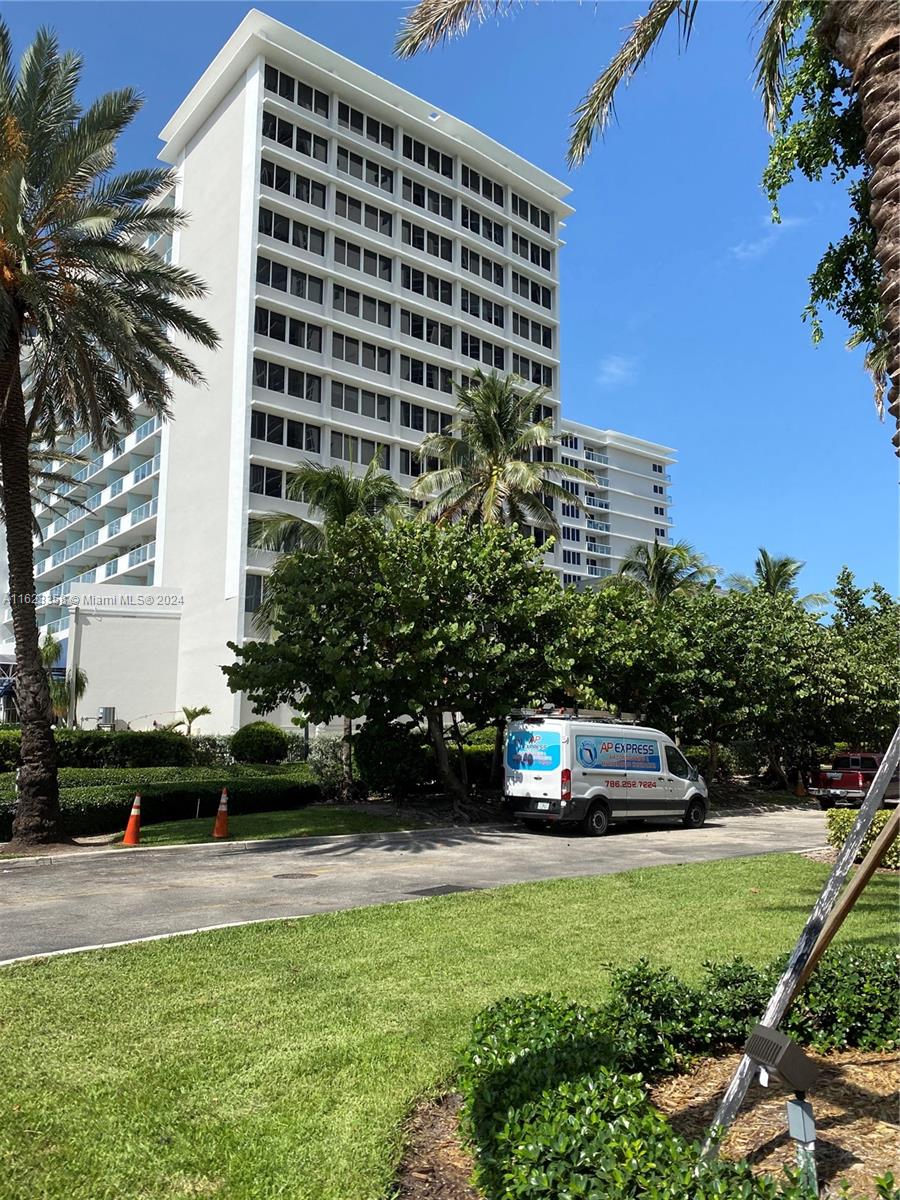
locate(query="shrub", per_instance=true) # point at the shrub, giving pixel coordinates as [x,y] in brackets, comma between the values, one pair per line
[479,762]
[107,748]
[392,758]
[841,820]
[326,762]
[10,741]
[212,749]
[259,742]
[297,747]
[104,808]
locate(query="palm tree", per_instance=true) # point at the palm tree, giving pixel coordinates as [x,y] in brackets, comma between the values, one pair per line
[61,685]
[861,35]
[85,315]
[485,472]
[193,714]
[662,570]
[776,575]
[334,495]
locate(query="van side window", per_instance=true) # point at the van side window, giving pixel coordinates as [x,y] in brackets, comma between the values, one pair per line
[677,763]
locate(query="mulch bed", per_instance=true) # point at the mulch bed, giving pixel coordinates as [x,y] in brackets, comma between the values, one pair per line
[856,1109]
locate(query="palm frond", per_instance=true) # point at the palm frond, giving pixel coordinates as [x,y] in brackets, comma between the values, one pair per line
[434,21]
[779,20]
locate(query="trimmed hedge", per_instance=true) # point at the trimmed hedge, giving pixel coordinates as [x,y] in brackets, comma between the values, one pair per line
[141,777]
[841,820]
[105,748]
[554,1094]
[104,809]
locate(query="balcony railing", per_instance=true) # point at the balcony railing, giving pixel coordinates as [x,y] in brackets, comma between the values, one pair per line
[599,572]
[596,457]
[597,548]
[596,502]
[142,554]
[600,526]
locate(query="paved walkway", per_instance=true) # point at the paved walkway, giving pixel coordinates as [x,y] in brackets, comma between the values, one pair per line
[106,897]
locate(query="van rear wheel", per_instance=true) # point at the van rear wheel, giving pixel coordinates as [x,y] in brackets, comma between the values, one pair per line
[596,822]
[694,814]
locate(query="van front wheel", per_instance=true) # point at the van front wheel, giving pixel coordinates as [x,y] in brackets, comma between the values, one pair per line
[694,814]
[596,822]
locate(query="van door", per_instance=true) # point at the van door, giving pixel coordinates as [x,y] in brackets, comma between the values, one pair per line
[628,770]
[678,769]
[534,755]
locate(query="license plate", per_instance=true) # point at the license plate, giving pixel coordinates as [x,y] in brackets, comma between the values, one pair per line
[834,774]
[542,804]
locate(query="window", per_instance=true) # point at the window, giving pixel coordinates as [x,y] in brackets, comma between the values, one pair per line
[571,534]
[294,137]
[427,198]
[570,510]
[364,168]
[266,481]
[424,239]
[277,275]
[298,435]
[426,329]
[298,233]
[425,374]
[480,264]
[531,251]
[676,762]
[532,372]
[347,447]
[486,352]
[376,219]
[658,510]
[356,121]
[253,590]
[658,468]
[357,304]
[537,293]
[363,354]
[480,306]
[569,441]
[297,333]
[273,377]
[476,222]
[295,91]
[481,185]
[410,464]
[423,419]
[658,489]
[538,217]
[357,259]
[423,284]
[573,488]
[279,178]
[352,399]
[534,331]
[572,557]
[427,156]
[660,533]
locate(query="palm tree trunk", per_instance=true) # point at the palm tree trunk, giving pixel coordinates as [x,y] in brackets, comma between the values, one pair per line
[37,820]
[864,35]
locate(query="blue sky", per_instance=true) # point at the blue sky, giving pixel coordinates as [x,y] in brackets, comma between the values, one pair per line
[680,301]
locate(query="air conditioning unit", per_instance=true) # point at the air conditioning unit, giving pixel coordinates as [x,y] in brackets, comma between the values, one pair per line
[106,718]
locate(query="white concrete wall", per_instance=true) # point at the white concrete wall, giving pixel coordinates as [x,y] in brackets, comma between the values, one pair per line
[131,664]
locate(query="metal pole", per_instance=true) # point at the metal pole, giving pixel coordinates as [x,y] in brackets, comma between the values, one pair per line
[73,656]
[788,985]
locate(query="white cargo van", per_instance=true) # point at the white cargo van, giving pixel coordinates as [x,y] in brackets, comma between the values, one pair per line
[573,769]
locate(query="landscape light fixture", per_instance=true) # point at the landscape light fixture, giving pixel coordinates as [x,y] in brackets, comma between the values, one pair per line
[781,1061]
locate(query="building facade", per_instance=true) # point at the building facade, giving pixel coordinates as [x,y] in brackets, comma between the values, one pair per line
[364,253]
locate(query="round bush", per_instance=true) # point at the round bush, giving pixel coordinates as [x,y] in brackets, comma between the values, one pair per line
[259,742]
[392,759]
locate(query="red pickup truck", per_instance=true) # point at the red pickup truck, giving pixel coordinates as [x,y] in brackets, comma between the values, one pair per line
[847,780]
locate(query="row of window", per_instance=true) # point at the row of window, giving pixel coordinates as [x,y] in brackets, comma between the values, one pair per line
[297,233]
[357,304]
[481,185]
[284,431]
[296,91]
[487,352]
[572,557]
[424,419]
[426,329]
[351,399]
[425,284]
[412,465]
[426,240]
[357,258]
[528,289]
[376,219]
[480,306]
[533,372]
[426,156]
[541,335]
[426,374]
[358,122]
[571,534]
[368,169]
[347,447]
[361,354]
[539,217]
[280,179]
[531,251]
[480,264]
[288,329]
[289,279]
[276,378]
[429,199]
[294,137]
[482,226]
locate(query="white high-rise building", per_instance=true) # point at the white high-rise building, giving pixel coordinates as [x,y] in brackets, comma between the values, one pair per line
[364,252]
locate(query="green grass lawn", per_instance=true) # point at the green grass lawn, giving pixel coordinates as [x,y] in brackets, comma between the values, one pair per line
[279,1060]
[300,822]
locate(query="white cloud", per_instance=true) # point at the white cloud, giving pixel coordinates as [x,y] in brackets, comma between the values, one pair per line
[755,248]
[616,370]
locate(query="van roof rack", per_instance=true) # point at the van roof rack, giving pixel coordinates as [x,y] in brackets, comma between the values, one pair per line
[574,714]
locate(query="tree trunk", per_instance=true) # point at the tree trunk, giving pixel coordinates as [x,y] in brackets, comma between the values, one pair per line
[37,820]
[713,765]
[459,742]
[452,784]
[497,760]
[347,759]
[864,35]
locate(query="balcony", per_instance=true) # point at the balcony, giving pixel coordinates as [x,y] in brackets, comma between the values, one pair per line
[599,572]
[99,537]
[597,548]
[601,480]
[599,526]
[106,459]
[595,502]
[595,456]
[128,561]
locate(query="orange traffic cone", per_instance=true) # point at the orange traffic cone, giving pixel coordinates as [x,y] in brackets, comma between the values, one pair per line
[133,831]
[220,829]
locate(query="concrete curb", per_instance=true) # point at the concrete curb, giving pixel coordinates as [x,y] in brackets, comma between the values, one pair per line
[49,860]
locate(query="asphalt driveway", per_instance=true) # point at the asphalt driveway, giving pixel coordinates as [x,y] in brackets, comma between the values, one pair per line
[107,897]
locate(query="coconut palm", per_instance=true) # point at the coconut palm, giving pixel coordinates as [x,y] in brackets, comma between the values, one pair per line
[661,569]
[85,316]
[61,685]
[193,714]
[776,575]
[333,495]
[486,472]
[861,35]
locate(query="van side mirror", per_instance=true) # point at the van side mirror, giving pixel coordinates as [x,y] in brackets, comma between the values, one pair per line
[693,775]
